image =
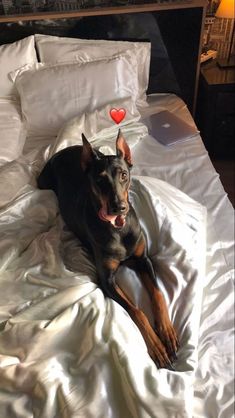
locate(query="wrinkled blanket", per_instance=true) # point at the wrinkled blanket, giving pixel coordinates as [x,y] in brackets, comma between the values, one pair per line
[65,349]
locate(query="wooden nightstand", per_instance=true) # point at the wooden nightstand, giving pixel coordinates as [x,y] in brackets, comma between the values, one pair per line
[215,115]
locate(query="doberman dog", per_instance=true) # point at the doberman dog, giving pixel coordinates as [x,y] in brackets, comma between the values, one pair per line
[92,191]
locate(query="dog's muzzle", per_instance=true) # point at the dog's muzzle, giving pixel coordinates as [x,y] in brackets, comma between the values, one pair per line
[118,221]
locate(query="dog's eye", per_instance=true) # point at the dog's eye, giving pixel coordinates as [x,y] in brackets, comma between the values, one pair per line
[124,176]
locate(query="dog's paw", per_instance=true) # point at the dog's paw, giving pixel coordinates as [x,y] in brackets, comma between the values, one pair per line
[158,352]
[156,349]
[168,336]
[164,327]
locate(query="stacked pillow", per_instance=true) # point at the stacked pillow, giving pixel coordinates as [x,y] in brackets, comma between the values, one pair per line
[53,49]
[51,94]
[74,76]
[77,76]
[12,57]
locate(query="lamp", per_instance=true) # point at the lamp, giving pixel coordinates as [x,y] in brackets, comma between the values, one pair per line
[226,10]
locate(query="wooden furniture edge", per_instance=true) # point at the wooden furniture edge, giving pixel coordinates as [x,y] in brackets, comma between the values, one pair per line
[199,60]
[103,11]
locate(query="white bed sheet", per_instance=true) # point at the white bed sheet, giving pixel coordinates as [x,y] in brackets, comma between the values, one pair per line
[187,167]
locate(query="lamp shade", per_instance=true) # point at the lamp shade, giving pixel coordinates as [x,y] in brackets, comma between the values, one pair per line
[226,9]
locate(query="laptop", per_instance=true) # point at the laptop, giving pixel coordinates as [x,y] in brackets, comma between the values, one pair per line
[168,129]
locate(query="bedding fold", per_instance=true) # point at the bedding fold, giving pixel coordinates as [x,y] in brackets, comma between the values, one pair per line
[65,349]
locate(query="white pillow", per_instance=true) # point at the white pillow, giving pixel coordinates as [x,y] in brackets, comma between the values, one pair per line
[97,125]
[12,57]
[12,131]
[54,49]
[51,94]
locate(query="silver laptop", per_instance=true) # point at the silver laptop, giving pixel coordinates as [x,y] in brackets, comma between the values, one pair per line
[168,129]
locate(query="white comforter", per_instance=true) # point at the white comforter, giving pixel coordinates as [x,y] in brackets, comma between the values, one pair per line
[65,350]
[45,277]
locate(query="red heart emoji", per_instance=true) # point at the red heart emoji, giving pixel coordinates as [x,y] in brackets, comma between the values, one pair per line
[117,114]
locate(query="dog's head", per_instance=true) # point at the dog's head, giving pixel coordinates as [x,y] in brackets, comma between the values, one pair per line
[109,180]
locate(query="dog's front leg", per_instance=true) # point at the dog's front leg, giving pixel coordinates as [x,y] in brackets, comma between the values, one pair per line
[164,328]
[106,272]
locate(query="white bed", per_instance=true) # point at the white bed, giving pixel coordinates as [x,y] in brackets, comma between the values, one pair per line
[65,350]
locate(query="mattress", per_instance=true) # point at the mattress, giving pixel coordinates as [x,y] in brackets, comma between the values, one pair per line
[65,349]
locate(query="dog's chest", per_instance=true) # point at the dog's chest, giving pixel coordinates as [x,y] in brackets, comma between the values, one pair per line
[121,246]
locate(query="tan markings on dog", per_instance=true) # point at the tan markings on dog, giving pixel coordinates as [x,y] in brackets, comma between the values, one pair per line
[140,248]
[154,345]
[163,325]
[111,264]
[126,195]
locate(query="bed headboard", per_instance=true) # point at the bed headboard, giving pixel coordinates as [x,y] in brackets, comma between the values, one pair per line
[174,28]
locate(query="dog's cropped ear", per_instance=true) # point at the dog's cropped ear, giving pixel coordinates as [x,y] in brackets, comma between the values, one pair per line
[87,153]
[123,149]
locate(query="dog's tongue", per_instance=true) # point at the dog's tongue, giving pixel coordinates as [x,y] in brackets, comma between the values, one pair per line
[117,221]
[120,221]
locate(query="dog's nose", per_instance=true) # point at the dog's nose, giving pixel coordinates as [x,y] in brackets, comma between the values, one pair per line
[118,207]
[122,207]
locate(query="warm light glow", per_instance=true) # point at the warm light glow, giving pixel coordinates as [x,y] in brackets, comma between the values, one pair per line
[226,9]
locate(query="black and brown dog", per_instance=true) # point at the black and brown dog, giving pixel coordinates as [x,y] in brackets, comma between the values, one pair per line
[92,191]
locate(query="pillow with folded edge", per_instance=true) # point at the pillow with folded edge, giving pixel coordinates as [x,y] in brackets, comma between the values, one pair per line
[99,128]
[53,49]
[51,94]
[12,57]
